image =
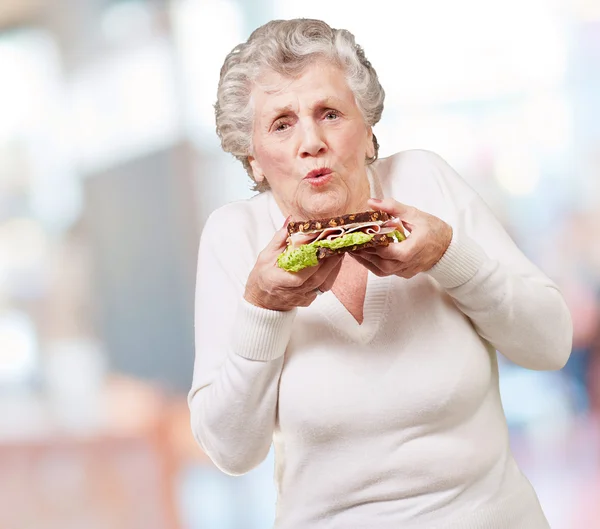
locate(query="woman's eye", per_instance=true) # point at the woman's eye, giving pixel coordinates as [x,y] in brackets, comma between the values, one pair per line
[279,127]
[331,115]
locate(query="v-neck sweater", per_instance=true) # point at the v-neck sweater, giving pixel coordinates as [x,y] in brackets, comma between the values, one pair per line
[395,422]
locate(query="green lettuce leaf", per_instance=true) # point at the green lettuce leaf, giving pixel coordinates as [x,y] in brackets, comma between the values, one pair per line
[306,255]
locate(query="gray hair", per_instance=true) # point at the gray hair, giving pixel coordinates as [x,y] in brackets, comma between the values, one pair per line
[287,47]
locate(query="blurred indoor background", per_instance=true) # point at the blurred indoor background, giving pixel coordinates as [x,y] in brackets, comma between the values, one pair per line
[109,165]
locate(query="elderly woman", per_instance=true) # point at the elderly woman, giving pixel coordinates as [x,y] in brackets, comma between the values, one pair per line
[380,396]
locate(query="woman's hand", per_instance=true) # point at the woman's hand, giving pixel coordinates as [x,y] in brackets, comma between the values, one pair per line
[428,241]
[270,287]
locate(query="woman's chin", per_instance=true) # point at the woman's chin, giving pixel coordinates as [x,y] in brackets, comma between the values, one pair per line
[320,209]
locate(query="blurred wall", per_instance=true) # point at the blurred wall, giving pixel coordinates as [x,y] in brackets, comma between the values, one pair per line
[143,230]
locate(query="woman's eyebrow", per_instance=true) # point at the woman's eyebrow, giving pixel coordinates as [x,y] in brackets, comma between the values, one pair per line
[326,102]
[278,111]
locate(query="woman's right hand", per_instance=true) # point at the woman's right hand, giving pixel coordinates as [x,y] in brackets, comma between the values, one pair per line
[271,287]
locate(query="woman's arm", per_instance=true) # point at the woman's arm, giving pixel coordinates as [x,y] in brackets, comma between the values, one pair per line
[239,356]
[511,303]
[243,323]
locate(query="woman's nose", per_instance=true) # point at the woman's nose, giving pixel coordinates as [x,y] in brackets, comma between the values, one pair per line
[312,143]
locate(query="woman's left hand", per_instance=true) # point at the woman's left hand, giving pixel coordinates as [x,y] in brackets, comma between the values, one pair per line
[428,241]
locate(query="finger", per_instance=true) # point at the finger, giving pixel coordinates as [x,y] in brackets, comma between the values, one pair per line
[410,271]
[391,206]
[308,298]
[279,240]
[384,252]
[315,275]
[403,213]
[387,266]
[277,244]
[408,226]
[368,265]
[331,277]
[402,226]
[414,266]
[397,251]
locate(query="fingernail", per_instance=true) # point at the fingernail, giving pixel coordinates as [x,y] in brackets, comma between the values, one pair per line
[376,200]
[286,221]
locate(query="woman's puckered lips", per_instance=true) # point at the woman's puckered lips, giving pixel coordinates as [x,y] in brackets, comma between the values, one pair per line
[321,171]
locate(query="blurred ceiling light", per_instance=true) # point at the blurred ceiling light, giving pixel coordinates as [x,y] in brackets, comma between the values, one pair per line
[23,242]
[32,110]
[124,106]
[205,32]
[18,347]
[586,10]
[23,250]
[548,119]
[27,60]
[14,170]
[516,170]
[126,21]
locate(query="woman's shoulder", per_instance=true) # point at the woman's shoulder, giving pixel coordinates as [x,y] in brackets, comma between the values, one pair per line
[239,213]
[424,179]
[406,163]
[241,226]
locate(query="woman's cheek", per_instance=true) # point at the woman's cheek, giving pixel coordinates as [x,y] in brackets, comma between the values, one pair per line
[353,144]
[275,163]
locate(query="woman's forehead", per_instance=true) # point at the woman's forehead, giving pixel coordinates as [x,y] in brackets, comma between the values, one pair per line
[270,79]
[314,86]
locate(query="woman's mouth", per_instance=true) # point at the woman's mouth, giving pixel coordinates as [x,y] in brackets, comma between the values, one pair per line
[319,177]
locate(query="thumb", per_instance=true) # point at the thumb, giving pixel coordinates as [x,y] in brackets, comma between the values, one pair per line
[393,207]
[279,240]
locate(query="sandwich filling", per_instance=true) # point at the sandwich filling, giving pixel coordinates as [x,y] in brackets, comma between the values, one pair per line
[303,247]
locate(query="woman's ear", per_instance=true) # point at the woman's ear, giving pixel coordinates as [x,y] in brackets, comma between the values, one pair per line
[257,171]
[370,147]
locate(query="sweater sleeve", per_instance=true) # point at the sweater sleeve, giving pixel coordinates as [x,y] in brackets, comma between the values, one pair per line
[511,303]
[239,357]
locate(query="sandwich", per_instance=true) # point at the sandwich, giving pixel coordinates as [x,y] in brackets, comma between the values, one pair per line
[313,240]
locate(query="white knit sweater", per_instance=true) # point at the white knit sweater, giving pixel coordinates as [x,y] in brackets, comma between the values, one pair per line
[396,422]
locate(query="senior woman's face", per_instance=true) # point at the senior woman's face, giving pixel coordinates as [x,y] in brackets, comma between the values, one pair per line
[310,143]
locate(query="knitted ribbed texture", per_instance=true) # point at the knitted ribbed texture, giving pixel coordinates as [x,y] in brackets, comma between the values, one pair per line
[261,334]
[459,264]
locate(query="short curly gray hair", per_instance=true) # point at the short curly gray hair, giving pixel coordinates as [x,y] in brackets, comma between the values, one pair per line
[287,47]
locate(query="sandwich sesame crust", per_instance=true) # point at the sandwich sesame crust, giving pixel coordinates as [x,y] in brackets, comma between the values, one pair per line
[334,222]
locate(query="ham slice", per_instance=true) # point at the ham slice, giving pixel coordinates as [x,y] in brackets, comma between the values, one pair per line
[295,240]
[298,239]
[331,234]
[388,229]
[368,227]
